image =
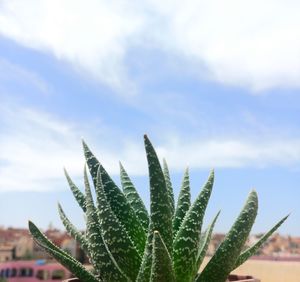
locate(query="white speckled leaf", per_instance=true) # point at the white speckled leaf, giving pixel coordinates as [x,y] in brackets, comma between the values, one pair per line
[79,196]
[160,206]
[169,185]
[183,203]
[204,243]
[64,258]
[223,261]
[117,201]
[187,240]
[72,230]
[162,267]
[101,258]
[134,199]
[116,237]
[253,249]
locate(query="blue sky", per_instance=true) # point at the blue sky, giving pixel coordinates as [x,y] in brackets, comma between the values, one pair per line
[212,86]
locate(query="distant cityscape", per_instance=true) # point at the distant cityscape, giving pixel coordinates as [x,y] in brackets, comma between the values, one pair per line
[278,247]
[17,244]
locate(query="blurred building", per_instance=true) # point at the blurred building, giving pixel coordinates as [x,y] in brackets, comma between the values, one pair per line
[17,244]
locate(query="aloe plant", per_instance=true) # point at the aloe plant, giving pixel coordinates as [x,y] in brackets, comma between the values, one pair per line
[126,243]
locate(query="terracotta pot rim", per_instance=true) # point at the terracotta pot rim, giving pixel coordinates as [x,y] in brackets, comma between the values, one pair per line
[232,277]
[242,278]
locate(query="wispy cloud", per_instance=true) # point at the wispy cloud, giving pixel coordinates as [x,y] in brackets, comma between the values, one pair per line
[16,74]
[92,37]
[247,43]
[34,147]
[250,43]
[230,152]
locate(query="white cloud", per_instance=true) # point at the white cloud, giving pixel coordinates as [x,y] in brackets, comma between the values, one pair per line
[34,147]
[247,43]
[252,44]
[93,36]
[10,72]
[231,153]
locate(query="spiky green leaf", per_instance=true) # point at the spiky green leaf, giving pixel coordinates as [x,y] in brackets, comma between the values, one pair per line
[101,257]
[204,243]
[115,236]
[160,206]
[134,198]
[169,185]
[72,230]
[253,249]
[78,195]
[187,240]
[223,261]
[162,267]
[64,258]
[118,202]
[145,268]
[183,203]
[160,211]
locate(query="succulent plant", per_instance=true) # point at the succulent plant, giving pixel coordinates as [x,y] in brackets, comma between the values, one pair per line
[126,243]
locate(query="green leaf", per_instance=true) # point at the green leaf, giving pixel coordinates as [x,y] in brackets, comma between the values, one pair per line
[101,257]
[169,185]
[118,202]
[162,268]
[77,235]
[160,211]
[134,198]
[145,269]
[253,249]
[223,261]
[62,257]
[79,196]
[115,236]
[187,240]
[204,243]
[183,203]
[160,207]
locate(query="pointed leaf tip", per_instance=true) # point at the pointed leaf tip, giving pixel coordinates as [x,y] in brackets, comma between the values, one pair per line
[253,191]
[121,166]
[254,248]
[224,259]
[84,143]
[162,268]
